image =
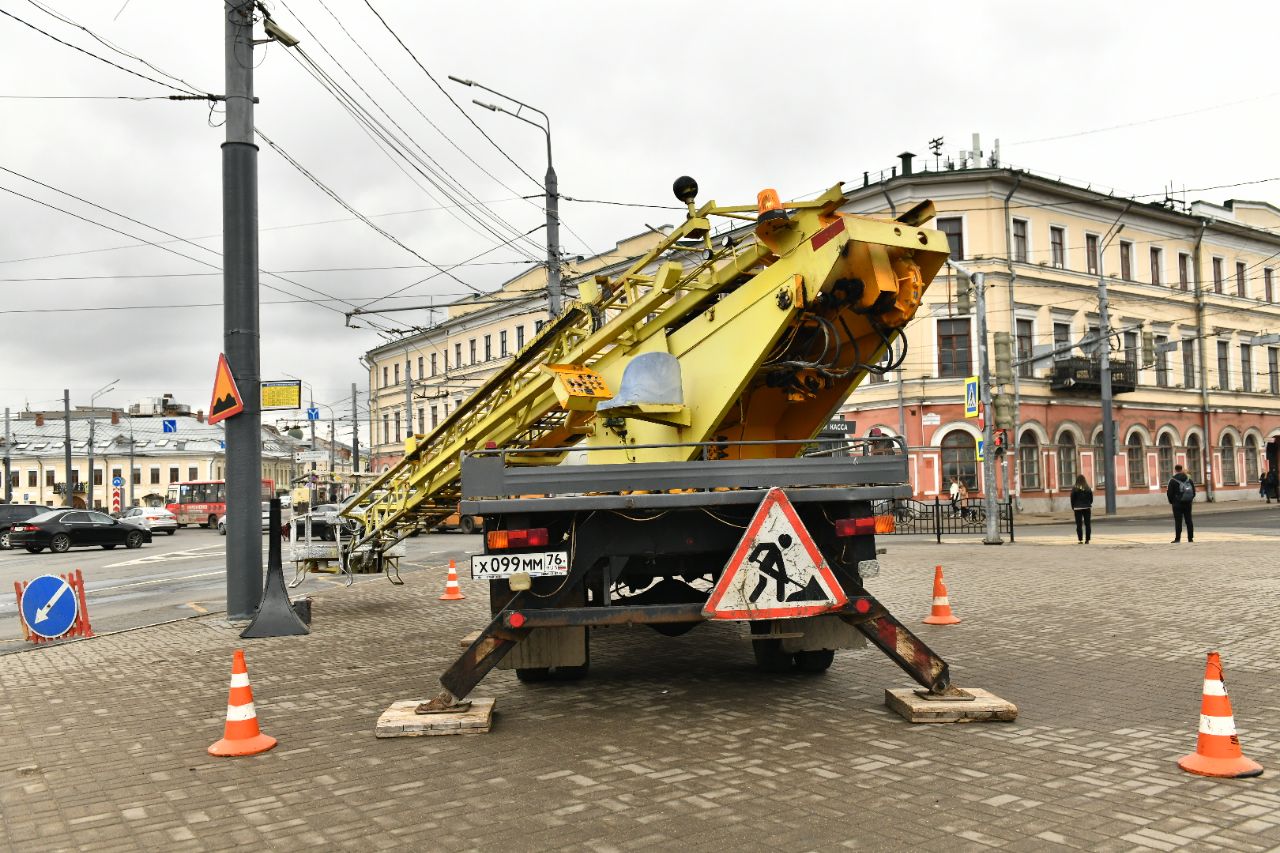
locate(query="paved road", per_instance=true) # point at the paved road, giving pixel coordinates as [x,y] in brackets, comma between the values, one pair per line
[1254,517]
[173,577]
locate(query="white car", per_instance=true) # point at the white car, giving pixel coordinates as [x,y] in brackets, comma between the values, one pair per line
[266,519]
[157,519]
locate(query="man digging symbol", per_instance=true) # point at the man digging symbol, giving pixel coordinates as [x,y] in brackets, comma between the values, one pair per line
[768,557]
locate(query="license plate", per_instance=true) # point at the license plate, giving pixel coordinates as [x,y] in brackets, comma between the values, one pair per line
[545,564]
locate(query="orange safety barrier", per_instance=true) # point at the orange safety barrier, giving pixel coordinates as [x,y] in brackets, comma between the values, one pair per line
[79,628]
[452,592]
[241,735]
[940,613]
[1217,746]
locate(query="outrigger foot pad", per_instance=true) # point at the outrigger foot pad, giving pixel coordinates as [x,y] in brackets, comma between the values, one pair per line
[973,704]
[404,719]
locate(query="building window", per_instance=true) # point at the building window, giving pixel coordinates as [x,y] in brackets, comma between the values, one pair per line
[193,473]
[959,459]
[1157,263]
[433,364]
[97,477]
[1058,247]
[1029,461]
[1126,260]
[520,337]
[488,347]
[1131,350]
[1273,369]
[1164,457]
[1188,362]
[137,477]
[1217,275]
[537,325]
[471,349]
[1091,252]
[457,354]
[422,420]
[1162,361]
[1246,367]
[384,376]
[396,372]
[952,226]
[1136,456]
[1061,338]
[1184,271]
[502,344]
[49,475]
[1224,366]
[1250,459]
[397,425]
[1241,289]
[386,429]
[1228,460]
[954,358]
[155,475]
[456,363]
[1066,461]
[1195,459]
[435,418]
[1020,240]
[173,475]
[1268,285]
[1099,469]
[1024,331]
[33,479]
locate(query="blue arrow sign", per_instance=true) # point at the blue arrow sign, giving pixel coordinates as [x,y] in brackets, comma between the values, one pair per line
[49,606]
[170,425]
[313,414]
[117,482]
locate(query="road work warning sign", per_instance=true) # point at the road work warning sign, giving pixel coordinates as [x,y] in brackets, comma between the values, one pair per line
[776,572]
[226,396]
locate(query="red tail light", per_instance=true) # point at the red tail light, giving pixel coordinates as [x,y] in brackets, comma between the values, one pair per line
[856,526]
[500,540]
[22,528]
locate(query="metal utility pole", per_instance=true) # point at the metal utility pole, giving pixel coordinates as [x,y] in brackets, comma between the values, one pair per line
[8,462]
[93,402]
[66,427]
[131,474]
[408,396]
[989,502]
[1104,368]
[550,186]
[240,317]
[355,433]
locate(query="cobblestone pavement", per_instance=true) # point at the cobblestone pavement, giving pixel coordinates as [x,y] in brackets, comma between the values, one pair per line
[679,742]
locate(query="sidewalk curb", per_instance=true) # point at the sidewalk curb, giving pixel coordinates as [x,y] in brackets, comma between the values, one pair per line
[1163,513]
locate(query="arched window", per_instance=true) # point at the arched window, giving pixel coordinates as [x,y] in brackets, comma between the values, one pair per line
[1136,456]
[1029,461]
[1250,459]
[1099,461]
[1194,468]
[1066,460]
[959,459]
[1164,448]
[1228,461]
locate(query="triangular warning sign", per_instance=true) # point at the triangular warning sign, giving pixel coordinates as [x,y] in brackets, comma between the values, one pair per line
[776,572]
[226,397]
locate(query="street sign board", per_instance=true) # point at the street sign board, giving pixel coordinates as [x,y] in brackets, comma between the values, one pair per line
[931,419]
[310,455]
[313,414]
[117,482]
[971,397]
[169,425]
[979,453]
[839,425]
[49,606]
[281,394]
[226,396]
[776,572]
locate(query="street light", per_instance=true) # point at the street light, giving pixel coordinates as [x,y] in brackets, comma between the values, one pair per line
[93,399]
[552,195]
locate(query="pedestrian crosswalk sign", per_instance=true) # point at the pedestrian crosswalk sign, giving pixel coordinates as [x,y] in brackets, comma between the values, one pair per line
[776,572]
[226,397]
[971,397]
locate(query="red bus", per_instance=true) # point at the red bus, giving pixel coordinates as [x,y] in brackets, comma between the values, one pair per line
[203,502]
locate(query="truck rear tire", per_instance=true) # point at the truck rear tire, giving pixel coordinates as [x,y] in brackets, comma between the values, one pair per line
[770,657]
[816,661]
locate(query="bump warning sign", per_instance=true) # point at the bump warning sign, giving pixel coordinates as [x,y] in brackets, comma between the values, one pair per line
[776,572]
[226,397]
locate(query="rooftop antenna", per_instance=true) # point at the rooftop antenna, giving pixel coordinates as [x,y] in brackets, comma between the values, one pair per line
[935,145]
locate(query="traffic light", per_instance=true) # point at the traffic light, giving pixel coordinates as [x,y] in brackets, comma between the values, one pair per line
[1004,411]
[1148,347]
[1001,441]
[1004,357]
[964,295]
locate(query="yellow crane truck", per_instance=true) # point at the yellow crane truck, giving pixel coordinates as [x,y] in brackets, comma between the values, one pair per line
[649,457]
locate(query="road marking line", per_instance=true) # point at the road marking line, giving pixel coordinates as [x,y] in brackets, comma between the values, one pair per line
[154,581]
[196,607]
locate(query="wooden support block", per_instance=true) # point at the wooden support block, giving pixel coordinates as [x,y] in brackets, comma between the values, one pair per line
[400,720]
[984,707]
[465,642]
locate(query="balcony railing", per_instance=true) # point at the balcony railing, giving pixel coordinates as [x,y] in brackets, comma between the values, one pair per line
[1084,373]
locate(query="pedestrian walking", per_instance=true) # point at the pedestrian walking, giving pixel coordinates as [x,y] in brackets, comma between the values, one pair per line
[1270,482]
[1082,505]
[954,491]
[1181,493]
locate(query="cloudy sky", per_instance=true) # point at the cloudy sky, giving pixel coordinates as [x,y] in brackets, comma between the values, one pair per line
[744,95]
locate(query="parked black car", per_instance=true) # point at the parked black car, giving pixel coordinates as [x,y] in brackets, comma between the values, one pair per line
[61,529]
[9,513]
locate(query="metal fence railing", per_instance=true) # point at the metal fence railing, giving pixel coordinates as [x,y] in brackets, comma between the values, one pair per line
[938,517]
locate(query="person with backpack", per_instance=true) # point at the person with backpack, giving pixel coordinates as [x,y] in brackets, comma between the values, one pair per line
[1082,504]
[1181,493]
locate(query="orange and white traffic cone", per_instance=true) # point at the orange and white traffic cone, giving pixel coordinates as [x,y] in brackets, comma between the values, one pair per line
[940,613]
[1217,747]
[241,735]
[452,592]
